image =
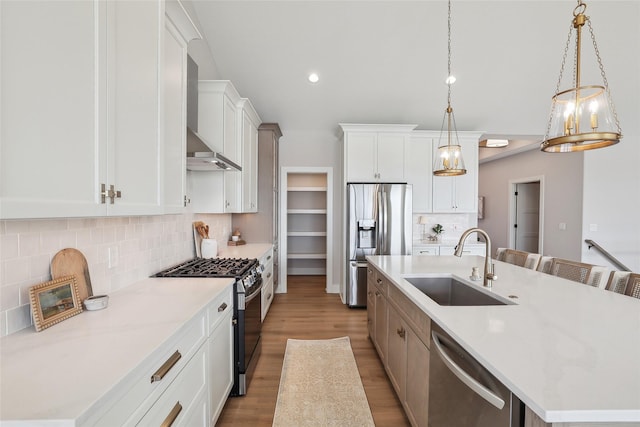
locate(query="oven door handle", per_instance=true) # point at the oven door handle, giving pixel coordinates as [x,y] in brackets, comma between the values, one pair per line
[254,294]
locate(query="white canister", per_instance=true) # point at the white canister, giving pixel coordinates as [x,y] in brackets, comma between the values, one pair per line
[209,248]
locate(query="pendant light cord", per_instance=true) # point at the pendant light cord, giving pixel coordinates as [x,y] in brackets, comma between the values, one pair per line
[449,57]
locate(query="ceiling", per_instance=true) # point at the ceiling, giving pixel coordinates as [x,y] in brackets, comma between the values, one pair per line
[386,61]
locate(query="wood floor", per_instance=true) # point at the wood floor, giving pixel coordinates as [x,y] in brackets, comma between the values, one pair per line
[308,312]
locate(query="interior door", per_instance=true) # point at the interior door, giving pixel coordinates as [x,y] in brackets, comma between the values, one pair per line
[527,216]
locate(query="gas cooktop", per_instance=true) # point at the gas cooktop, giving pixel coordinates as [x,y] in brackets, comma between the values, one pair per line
[211,267]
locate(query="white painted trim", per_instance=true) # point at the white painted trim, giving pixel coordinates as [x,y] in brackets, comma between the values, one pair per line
[512,210]
[284,173]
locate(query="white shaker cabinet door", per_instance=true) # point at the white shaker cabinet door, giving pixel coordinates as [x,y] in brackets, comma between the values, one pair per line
[390,157]
[133,52]
[53,130]
[174,141]
[418,160]
[361,153]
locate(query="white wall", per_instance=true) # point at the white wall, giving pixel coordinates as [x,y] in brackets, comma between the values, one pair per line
[563,175]
[611,198]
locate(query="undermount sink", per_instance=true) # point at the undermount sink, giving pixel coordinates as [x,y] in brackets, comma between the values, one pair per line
[452,292]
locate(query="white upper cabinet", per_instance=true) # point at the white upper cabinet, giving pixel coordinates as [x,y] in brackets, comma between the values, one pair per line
[249,132]
[229,124]
[418,169]
[375,153]
[217,117]
[459,193]
[178,31]
[85,138]
[52,149]
[218,191]
[133,106]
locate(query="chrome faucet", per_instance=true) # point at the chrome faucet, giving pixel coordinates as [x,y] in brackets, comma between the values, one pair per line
[488,277]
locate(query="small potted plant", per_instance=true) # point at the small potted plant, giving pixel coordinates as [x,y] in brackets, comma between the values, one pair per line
[438,229]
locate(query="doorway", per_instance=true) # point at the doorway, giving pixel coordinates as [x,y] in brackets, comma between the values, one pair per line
[526,212]
[306,224]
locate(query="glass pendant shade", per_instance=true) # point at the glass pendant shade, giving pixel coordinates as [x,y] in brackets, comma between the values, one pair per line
[583,117]
[449,161]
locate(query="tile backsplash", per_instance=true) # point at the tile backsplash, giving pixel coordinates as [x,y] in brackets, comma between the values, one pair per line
[138,246]
[454,225]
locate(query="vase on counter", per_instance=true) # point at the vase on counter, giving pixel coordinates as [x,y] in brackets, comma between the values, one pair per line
[209,248]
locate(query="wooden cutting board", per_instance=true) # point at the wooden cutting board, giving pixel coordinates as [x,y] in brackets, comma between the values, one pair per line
[71,261]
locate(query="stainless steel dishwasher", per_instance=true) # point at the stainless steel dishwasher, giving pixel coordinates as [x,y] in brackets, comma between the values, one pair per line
[462,393]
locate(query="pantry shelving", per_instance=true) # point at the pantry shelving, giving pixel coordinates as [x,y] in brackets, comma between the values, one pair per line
[307,206]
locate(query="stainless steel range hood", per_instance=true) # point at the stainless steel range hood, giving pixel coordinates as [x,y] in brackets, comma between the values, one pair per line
[201,158]
[200,155]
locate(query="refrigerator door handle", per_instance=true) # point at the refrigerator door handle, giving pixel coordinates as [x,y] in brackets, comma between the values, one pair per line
[379,225]
[385,223]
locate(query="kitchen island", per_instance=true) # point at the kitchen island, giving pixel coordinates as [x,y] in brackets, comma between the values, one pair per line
[569,351]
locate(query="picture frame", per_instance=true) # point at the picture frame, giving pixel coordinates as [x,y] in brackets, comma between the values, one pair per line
[54,301]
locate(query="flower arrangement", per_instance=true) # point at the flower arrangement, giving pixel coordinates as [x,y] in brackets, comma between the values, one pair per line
[438,229]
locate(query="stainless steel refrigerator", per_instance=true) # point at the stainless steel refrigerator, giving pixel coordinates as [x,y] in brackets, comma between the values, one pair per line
[379,223]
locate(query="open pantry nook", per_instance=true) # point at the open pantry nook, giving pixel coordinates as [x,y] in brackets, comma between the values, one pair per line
[306,219]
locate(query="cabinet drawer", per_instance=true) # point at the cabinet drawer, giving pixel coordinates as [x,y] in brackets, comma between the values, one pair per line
[177,402]
[468,250]
[135,395]
[267,274]
[267,258]
[378,280]
[219,307]
[267,296]
[432,250]
[416,318]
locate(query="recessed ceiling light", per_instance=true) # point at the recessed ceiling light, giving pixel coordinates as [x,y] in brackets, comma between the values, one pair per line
[450,80]
[313,78]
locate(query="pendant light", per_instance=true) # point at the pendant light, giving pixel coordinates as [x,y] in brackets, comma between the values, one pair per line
[449,161]
[583,117]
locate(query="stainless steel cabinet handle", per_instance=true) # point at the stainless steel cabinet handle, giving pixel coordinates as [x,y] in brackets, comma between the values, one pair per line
[474,385]
[379,281]
[177,408]
[377,293]
[222,307]
[268,257]
[268,275]
[401,332]
[166,367]
[269,297]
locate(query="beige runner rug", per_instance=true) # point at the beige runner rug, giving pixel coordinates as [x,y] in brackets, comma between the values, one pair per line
[320,386]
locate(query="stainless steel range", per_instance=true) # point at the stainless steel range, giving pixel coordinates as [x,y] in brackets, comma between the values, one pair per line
[246,312]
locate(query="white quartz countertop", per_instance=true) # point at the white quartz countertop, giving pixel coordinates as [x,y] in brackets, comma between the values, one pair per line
[250,250]
[569,351]
[62,372]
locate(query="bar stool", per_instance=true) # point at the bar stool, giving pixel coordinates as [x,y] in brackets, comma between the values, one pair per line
[572,270]
[544,265]
[633,286]
[618,281]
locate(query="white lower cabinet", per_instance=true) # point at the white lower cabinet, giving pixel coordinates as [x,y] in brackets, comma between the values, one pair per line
[267,279]
[220,366]
[186,382]
[184,402]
